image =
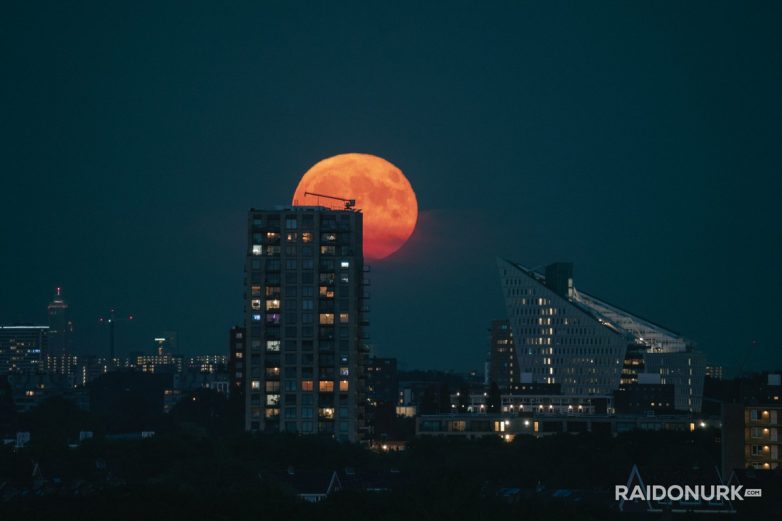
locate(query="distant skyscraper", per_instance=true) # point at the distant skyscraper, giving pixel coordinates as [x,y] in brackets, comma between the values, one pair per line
[60,327]
[304,322]
[503,368]
[573,339]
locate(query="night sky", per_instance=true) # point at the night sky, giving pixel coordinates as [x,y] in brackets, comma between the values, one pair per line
[640,140]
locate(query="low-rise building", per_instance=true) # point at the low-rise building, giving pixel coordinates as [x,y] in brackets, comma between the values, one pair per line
[752,430]
[508,426]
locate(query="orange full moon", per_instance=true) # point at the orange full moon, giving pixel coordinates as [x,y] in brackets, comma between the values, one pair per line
[382,193]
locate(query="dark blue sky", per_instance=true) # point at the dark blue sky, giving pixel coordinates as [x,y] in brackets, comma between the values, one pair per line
[641,140]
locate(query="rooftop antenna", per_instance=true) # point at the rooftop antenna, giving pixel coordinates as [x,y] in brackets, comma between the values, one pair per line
[349,203]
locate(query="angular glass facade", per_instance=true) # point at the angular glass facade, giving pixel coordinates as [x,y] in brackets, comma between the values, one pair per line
[557,342]
[569,338]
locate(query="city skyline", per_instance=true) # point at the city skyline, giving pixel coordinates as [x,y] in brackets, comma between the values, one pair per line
[390,260]
[536,141]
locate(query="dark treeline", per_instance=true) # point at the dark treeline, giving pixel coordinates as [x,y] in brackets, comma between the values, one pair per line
[199,465]
[185,474]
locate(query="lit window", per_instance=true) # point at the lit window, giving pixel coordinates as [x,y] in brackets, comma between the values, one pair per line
[255,385]
[256,317]
[344,318]
[291,237]
[272,412]
[257,249]
[344,264]
[306,237]
[272,304]
[326,412]
[328,250]
[327,318]
[272,371]
[344,371]
[272,399]
[256,303]
[326,386]
[306,385]
[272,236]
[343,386]
[272,387]
[273,345]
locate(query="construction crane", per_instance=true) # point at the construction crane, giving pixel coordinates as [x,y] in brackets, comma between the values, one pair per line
[110,320]
[349,203]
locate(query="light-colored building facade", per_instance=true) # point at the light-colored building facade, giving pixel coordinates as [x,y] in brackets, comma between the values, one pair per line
[567,337]
[558,341]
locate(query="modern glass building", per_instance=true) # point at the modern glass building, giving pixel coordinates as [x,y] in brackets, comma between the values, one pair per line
[305,321]
[566,337]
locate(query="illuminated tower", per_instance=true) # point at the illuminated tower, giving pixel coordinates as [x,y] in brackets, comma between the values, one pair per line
[304,321]
[60,327]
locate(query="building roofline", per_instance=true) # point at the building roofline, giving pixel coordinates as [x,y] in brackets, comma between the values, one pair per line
[634,315]
[306,208]
[540,278]
[24,327]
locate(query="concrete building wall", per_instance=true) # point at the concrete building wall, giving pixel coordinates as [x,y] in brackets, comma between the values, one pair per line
[305,322]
